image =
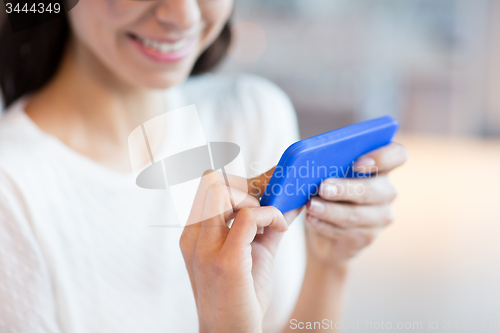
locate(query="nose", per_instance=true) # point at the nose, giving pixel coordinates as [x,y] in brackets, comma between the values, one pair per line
[178,14]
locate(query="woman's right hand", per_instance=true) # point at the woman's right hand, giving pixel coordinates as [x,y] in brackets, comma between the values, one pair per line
[230,268]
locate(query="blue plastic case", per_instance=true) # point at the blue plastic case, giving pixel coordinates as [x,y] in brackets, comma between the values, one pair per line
[305,164]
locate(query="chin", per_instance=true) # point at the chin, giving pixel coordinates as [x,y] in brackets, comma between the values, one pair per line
[161,80]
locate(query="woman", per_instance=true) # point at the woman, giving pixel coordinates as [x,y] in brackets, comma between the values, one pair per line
[75,252]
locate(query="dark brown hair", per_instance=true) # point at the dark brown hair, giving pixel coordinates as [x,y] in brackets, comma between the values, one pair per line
[30,58]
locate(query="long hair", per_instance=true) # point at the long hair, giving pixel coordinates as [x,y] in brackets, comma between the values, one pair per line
[30,58]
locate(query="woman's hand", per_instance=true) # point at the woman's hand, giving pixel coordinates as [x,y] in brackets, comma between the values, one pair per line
[349,212]
[231,268]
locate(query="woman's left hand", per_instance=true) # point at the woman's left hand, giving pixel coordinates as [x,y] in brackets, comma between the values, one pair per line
[350,212]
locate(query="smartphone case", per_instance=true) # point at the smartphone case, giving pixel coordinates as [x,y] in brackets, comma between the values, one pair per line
[306,163]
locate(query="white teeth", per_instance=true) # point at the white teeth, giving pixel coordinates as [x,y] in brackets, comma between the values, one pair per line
[164,47]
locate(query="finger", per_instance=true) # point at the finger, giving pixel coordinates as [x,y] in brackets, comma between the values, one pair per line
[365,191]
[210,177]
[254,186]
[257,185]
[191,231]
[219,209]
[290,216]
[246,222]
[270,240]
[346,240]
[348,216]
[382,160]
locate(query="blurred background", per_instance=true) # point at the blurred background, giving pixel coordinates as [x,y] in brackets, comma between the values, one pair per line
[435,66]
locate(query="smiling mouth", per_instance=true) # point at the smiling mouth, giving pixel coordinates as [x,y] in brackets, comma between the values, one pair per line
[162,46]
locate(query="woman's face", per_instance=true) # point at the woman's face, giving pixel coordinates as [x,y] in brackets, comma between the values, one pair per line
[152,44]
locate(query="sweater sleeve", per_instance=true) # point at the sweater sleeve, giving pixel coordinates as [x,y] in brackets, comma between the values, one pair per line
[27,300]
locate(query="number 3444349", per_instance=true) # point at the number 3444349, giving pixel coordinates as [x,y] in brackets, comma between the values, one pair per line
[33,8]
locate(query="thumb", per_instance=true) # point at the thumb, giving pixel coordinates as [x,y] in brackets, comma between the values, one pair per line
[257,185]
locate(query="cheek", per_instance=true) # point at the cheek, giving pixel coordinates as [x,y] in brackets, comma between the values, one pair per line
[96,22]
[215,14]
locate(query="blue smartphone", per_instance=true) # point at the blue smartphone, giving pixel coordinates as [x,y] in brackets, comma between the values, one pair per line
[306,163]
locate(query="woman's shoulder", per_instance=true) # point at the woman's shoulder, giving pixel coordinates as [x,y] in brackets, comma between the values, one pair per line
[19,140]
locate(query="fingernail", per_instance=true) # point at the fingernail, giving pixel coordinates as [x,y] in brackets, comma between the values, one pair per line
[316,206]
[260,230]
[364,164]
[328,190]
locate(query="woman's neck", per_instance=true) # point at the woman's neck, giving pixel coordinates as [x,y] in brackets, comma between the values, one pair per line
[91,110]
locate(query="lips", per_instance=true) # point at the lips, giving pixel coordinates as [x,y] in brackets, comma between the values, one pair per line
[163,49]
